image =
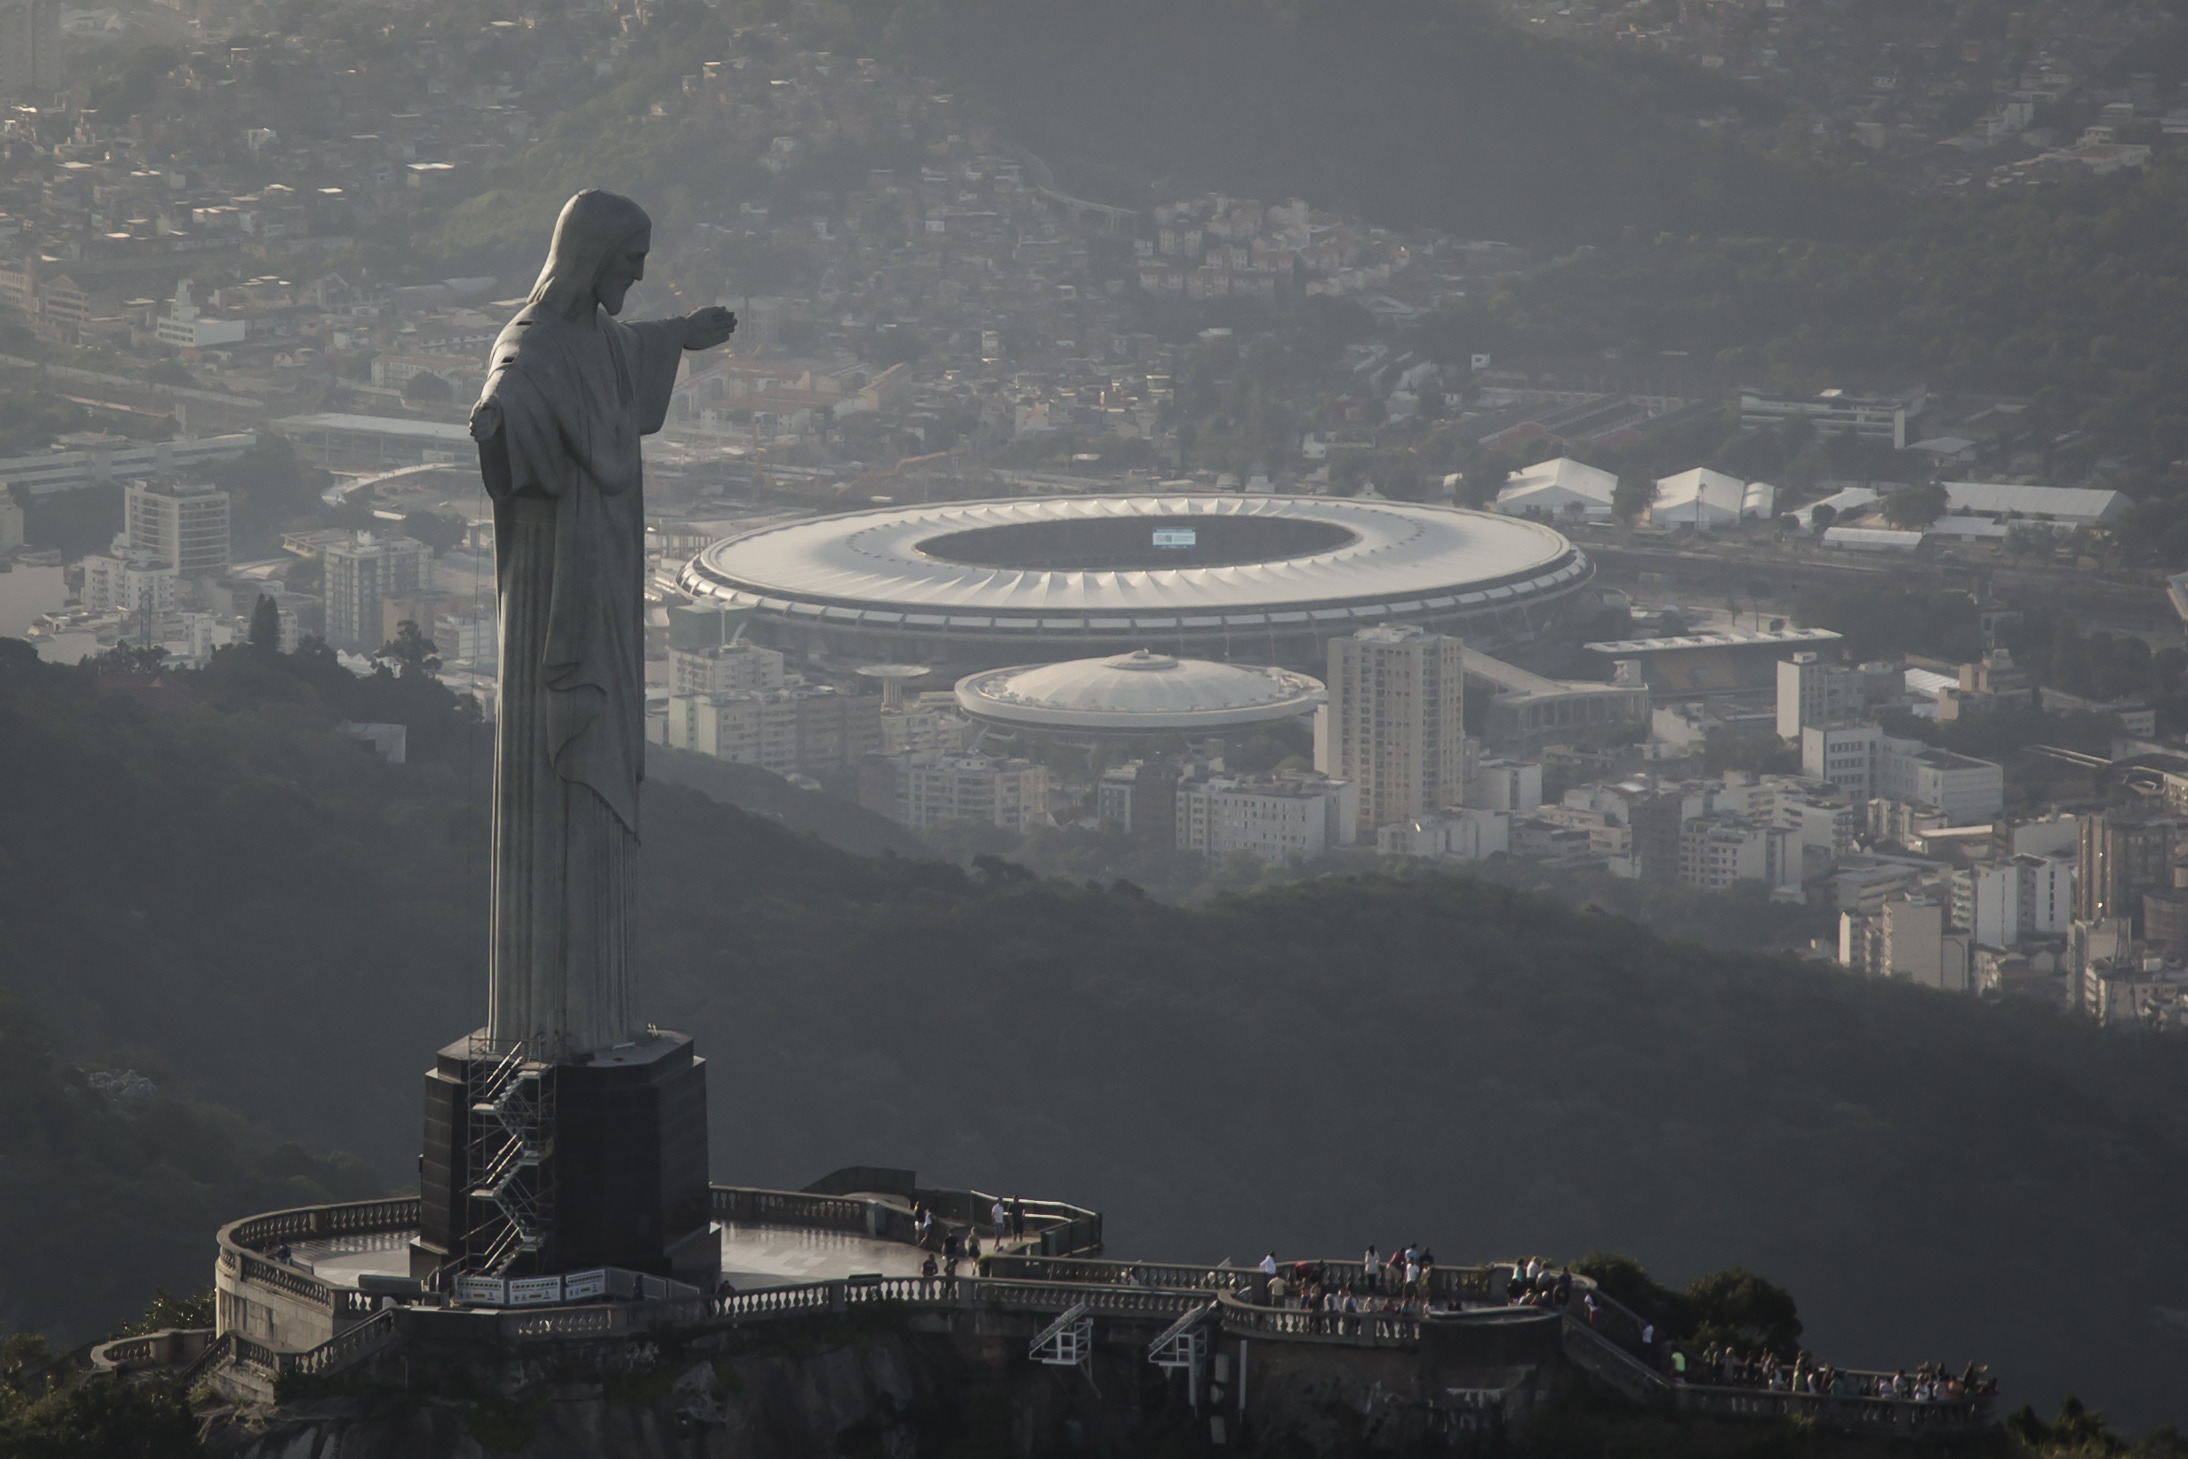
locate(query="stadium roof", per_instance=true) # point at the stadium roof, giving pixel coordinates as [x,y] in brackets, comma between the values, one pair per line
[1333,563]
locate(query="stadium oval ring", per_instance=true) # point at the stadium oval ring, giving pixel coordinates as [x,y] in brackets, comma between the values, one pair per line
[1265,579]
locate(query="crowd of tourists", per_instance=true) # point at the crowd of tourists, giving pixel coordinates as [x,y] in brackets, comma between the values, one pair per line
[1723,1367]
[1403,1284]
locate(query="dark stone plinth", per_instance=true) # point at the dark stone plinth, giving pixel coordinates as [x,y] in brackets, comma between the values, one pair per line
[628,1166]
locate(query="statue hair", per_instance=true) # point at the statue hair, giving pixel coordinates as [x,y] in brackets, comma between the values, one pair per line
[593,225]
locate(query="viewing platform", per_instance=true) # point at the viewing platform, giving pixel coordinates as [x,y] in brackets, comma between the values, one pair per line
[311,1293]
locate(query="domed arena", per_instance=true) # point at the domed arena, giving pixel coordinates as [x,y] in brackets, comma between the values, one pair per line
[1266,579]
[1138,693]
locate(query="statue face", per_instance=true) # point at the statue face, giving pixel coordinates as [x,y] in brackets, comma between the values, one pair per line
[623,267]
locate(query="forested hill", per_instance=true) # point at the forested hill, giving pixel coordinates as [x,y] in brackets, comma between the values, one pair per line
[225,894]
[1412,113]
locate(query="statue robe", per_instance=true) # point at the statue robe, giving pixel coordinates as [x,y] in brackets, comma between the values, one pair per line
[558,434]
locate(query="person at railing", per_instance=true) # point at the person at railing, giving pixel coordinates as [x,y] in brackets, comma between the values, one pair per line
[1017,1218]
[952,1252]
[1001,1216]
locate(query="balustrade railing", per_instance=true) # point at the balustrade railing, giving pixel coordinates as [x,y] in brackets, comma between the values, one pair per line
[1095,1272]
[344,1348]
[747,1206]
[1386,1329]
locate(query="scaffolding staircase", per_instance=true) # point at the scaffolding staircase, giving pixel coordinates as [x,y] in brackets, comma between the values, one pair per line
[512,1150]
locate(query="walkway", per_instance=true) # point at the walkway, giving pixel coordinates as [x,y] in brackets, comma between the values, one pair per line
[754,1257]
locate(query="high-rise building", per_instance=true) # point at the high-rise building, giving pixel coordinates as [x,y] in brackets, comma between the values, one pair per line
[182,523]
[1394,724]
[2122,854]
[1812,692]
[359,575]
[30,48]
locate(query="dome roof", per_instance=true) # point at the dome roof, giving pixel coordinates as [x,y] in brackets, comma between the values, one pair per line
[1137,691]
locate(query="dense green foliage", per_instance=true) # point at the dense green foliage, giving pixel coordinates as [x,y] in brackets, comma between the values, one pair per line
[1605,1429]
[99,1420]
[1733,1308]
[257,911]
[268,487]
[110,1193]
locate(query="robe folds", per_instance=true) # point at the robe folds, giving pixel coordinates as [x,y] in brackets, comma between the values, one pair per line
[558,430]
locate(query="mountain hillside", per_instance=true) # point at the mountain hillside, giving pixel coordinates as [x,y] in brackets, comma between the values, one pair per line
[1412,113]
[207,884]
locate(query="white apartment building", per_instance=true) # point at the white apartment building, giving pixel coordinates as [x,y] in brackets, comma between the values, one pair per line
[186,525]
[468,637]
[1822,813]
[1716,851]
[135,584]
[800,728]
[359,575]
[1812,692]
[1867,763]
[1274,818]
[1458,833]
[1844,754]
[2008,902]
[729,668]
[930,722]
[1969,791]
[1513,786]
[921,790]
[1918,945]
[186,327]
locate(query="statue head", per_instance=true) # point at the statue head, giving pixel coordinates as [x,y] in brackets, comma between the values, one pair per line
[599,251]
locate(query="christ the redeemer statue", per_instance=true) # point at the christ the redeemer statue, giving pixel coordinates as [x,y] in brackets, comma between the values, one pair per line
[569,392]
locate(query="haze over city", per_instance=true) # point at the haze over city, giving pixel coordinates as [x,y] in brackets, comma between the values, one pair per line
[796,727]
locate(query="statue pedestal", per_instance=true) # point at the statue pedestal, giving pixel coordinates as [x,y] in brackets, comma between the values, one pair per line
[548,1168]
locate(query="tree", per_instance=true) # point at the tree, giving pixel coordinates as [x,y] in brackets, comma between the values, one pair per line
[1738,1307]
[1915,507]
[130,658]
[266,626]
[436,530]
[427,388]
[1632,496]
[1821,517]
[410,653]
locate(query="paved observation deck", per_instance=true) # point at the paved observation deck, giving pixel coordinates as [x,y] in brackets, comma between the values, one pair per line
[311,1292]
[753,1256]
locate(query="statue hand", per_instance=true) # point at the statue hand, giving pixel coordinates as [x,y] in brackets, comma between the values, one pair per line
[485,419]
[708,327]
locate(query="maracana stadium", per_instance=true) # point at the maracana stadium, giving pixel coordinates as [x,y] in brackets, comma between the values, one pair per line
[1266,579]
